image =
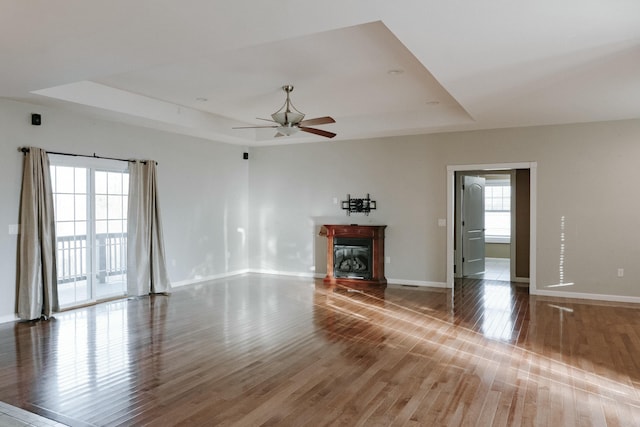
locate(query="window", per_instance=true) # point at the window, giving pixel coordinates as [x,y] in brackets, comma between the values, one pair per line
[497,205]
[90,203]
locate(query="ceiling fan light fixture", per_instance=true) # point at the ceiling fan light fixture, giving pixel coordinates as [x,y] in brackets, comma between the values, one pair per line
[285,117]
[287,130]
[294,117]
[288,114]
[279,116]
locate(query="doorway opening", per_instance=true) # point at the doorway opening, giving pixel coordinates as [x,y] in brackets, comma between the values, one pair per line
[484,230]
[521,251]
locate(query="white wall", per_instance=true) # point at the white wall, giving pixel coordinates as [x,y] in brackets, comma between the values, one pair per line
[585,175]
[292,190]
[202,186]
[216,205]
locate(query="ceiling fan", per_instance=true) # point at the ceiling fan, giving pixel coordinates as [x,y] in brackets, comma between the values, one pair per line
[288,120]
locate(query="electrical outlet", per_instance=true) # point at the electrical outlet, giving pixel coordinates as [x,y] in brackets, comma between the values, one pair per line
[621,272]
[14,229]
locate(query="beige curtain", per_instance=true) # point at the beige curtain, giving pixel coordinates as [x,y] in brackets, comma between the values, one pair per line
[37,277]
[146,265]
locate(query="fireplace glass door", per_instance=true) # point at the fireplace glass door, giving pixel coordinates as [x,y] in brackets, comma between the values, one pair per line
[352,258]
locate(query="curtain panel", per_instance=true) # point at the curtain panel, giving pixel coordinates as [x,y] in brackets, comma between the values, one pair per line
[37,277]
[146,264]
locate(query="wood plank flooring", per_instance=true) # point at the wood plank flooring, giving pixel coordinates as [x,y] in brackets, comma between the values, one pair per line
[268,350]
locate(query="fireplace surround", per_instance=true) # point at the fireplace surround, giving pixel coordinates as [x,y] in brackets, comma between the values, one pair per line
[355,256]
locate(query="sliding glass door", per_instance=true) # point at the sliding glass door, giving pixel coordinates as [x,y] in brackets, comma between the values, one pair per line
[90,202]
[111,189]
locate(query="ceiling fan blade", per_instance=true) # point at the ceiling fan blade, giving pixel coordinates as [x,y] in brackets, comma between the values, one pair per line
[317,121]
[254,127]
[318,132]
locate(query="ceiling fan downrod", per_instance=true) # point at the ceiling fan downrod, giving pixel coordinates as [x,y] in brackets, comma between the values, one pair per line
[290,115]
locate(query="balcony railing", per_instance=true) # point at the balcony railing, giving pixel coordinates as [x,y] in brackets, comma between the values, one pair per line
[72,258]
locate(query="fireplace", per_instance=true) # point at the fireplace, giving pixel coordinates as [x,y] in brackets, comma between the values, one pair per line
[355,255]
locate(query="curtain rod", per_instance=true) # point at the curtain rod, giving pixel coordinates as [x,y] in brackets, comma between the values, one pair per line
[25,150]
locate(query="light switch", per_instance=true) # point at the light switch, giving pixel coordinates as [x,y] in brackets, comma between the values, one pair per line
[14,229]
[442,222]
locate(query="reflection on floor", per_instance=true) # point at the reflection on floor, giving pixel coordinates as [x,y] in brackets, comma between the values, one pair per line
[495,269]
[77,293]
[491,306]
[10,416]
[269,350]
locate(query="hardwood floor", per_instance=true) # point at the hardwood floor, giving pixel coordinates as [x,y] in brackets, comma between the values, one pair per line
[267,350]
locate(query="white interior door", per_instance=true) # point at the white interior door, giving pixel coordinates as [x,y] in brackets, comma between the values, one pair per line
[473,225]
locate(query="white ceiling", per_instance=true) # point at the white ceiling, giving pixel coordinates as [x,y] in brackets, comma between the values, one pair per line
[201,67]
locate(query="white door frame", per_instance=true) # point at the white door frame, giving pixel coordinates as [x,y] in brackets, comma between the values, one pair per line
[451,171]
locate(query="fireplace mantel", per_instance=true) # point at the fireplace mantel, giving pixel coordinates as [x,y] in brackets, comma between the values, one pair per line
[351,236]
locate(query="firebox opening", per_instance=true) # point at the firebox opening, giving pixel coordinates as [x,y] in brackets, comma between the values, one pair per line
[352,258]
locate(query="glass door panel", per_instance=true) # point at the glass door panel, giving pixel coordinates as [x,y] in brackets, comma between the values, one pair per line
[111,198]
[69,185]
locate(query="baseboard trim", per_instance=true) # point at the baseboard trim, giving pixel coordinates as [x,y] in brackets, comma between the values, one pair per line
[588,296]
[287,273]
[417,283]
[9,318]
[208,278]
[322,276]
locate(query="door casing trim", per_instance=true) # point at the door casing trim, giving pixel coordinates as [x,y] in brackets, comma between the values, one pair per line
[451,171]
